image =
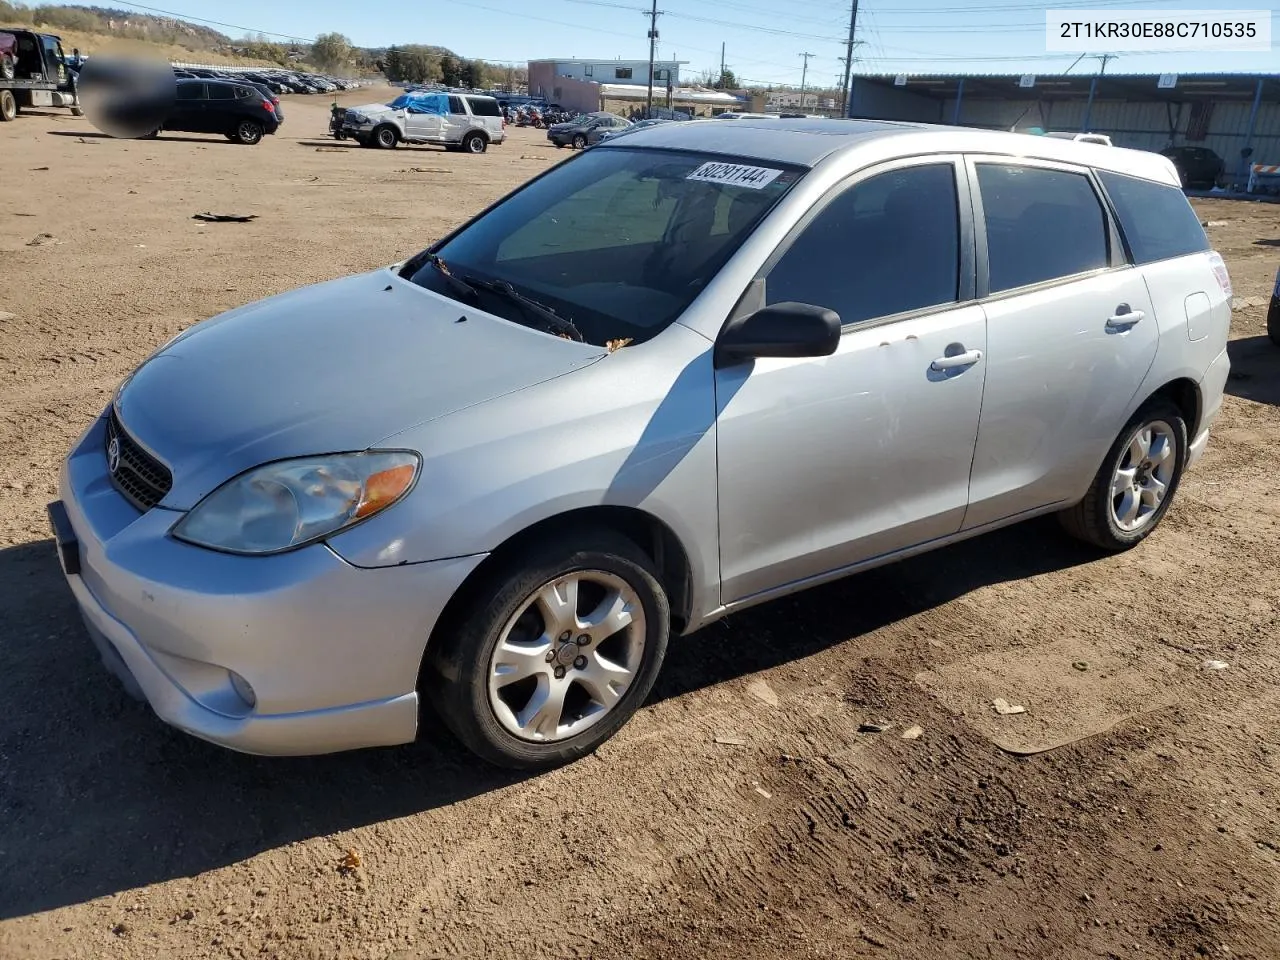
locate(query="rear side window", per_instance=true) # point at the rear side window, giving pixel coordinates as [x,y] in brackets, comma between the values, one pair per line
[1156,219]
[1041,224]
[455,105]
[887,245]
[221,91]
[484,108]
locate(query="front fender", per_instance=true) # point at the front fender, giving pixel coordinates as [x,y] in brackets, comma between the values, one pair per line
[636,429]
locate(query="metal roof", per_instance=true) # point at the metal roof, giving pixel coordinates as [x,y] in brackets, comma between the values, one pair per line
[1111,86]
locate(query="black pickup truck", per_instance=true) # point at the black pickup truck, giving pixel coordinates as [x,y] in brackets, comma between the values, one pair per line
[34,72]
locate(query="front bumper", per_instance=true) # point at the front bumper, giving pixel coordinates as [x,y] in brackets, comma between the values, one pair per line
[330,651]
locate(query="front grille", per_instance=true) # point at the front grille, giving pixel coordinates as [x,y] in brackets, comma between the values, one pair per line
[142,478]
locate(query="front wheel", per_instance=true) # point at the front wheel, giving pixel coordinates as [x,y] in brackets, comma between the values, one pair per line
[1136,482]
[556,652]
[247,132]
[7,68]
[385,138]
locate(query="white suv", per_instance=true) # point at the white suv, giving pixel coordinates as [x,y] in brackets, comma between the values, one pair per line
[466,122]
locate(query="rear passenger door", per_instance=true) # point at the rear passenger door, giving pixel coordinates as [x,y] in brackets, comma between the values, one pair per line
[458,122]
[220,109]
[1071,335]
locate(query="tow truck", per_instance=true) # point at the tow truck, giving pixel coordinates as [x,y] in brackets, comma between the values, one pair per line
[34,72]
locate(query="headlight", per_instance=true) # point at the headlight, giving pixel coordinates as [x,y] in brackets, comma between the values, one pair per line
[284,505]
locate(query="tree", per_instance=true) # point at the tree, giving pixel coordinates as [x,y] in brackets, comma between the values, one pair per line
[450,70]
[726,81]
[331,51]
[393,64]
[419,65]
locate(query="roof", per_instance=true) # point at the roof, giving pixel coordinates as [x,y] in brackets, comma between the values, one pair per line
[656,63]
[1110,86]
[807,142]
[632,91]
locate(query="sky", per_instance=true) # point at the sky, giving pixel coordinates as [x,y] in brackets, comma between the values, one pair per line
[764,39]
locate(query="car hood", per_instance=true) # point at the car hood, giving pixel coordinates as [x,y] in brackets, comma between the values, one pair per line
[375,110]
[332,367]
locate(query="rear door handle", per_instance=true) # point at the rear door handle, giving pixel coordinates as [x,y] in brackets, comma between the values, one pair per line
[966,359]
[1123,321]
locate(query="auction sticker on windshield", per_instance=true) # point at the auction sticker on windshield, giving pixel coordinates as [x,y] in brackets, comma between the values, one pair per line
[735,174]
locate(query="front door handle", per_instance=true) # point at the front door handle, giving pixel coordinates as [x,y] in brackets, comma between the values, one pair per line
[966,359]
[1123,319]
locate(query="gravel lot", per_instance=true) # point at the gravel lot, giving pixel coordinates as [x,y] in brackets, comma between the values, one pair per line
[1133,811]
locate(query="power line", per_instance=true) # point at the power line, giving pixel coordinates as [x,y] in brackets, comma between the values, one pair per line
[216,23]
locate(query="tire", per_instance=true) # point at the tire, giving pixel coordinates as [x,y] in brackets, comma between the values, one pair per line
[77,111]
[475,143]
[1097,519]
[7,68]
[485,714]
[559,146]
[385,138]
[8,105]
[1273,323]
[579,142]
[247,132]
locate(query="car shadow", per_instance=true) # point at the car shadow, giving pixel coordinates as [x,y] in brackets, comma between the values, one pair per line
[162,138]
[1255,370]
[1266,243]
[98,796]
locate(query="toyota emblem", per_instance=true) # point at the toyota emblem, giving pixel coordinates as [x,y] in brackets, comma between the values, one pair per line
[113,455]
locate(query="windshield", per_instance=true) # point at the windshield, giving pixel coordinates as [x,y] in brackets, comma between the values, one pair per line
[617,241]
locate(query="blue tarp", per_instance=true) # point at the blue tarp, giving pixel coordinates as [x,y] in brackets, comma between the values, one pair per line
[422,102]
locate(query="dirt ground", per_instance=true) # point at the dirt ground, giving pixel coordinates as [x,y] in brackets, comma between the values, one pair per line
[1133,811]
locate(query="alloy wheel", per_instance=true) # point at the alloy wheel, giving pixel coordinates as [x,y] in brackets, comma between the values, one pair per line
[567,657]
[1142,475]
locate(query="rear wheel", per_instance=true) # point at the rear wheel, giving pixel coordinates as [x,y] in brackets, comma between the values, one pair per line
[579,142]
[475,143]
[8,105]
[7,68]
[385,138]
[247,132]
[557,650]
[1136,482]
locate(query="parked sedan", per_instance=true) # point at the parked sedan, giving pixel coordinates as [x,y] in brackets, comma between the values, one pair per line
[1197,166]
[586,130]
[697,368]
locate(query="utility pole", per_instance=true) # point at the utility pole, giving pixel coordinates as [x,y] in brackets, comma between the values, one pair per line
[720,80]
[848,60]
[653,41]
[804,76]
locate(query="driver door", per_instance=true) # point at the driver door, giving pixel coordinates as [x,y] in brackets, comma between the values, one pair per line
[422,126]
[828,462]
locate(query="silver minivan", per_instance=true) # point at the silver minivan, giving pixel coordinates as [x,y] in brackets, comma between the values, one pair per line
[697,368]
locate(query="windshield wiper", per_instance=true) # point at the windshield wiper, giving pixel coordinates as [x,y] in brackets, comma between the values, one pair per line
[459,285]
[553,321]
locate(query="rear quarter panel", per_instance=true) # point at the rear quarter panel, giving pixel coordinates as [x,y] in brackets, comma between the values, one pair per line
[1193,315]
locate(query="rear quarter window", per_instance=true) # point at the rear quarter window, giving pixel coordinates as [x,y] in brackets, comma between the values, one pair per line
[484,108]
[1156,219]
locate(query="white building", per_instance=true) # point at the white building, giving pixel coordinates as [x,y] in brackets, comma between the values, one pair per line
[544,74]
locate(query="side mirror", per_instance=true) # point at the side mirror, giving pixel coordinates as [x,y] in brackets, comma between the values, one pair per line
[782,330]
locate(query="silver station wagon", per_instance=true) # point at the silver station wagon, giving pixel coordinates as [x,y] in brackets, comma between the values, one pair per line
[697,368]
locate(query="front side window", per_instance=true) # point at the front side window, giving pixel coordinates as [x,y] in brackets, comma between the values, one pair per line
[191,91]
[1041,225]
[1157,220]
[887,245]
[617,241]
[455,105]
